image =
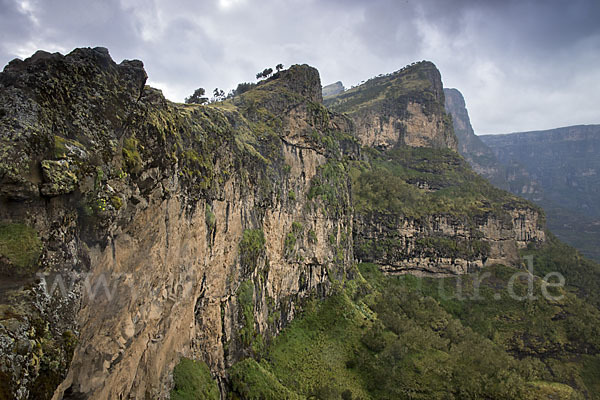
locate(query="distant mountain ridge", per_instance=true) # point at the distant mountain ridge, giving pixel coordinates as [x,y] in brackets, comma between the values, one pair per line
[557,168]
[564,160]
[333,89]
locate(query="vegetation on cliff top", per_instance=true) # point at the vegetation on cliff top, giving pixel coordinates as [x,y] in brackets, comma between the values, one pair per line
[416,182]
[410,83]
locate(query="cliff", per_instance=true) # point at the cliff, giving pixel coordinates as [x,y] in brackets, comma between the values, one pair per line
[419,208]
[402,108]
[481,158]
[564,165]
[197,229]
[135,231]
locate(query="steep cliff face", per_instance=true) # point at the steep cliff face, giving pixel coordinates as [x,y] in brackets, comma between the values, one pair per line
[481,158]
[444,245]
[419,208]
[402,108]
[177,229]
[424,211]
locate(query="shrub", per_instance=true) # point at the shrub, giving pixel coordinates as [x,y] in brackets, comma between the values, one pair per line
[192,380]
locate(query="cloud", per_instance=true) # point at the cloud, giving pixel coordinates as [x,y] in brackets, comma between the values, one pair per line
[521,64]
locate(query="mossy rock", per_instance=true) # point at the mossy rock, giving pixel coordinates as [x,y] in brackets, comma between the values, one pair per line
[131,155]
[59,176]
[20,249]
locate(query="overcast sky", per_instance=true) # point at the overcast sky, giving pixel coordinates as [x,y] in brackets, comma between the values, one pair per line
[521,65]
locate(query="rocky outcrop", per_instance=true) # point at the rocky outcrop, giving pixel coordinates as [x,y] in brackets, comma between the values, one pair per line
[554,168]
[402,108]
[173,229]
[481,158]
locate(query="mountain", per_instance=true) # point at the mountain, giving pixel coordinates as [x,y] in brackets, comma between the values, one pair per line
[198,217]
[481,158]
[564,164]
[333,89]
[268,247]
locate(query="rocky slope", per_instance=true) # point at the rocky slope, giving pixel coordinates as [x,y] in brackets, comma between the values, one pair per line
[457,222]
[135,231]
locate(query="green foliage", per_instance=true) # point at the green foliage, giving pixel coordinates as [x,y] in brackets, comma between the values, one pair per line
[192,380]
[252,246]
[330,186]
[197,97]
[243,87]
[289,244]
[581,274]
[20,245]
[210,218]
[391,93]
[131,155]
[62,146]
[254,381]
[417,182]
[291,238]
[292,195]
[245,298]
[422,338]
[312,237]
[116,202]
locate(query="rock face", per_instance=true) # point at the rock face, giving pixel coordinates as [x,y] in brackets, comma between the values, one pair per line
[444,245]
[161,230]
[179,230]
[333,89]
[564,165]
[402,108]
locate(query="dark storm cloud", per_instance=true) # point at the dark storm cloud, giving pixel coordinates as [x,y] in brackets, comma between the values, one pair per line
[521,64]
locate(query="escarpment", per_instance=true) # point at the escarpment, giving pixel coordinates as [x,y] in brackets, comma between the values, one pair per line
[177,229]
[149,230]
